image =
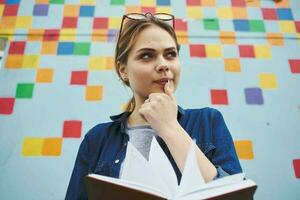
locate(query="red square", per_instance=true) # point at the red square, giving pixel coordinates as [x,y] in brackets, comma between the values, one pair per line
[238,3]
[11,10]
[79,77]
[193,2]
[296,164]
[72,129]
[100,23]
[51,35]
[197,50]
[219,97]
[6,105]
[246,51]
[295,66]
[148,9]
[180,25]
[269,13]
[297,24]
[70,22]
[17,47]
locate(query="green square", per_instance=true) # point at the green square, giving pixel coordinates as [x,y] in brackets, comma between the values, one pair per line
[82,48]
[211,24]
[257,26]
[24,90]
[57,1]
[117,2]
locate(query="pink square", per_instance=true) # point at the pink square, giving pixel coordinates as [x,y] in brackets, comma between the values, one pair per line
[297,24]
[6,105]
[148,9]
[69,22]
[72,129]
[197,50]
[269,13]
[79,77]
[238,3]
[17,47]
[296,164]
[219,97]
[100,23]
[180,25]
[193,2]
[51,35]
[11,10]
[246,51]
[295,66]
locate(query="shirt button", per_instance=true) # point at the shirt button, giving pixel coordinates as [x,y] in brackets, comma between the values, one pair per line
[117,161]
[125,144]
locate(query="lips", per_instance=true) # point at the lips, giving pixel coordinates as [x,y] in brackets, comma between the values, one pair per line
[162,81]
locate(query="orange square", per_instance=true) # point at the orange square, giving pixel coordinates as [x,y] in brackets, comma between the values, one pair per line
[71,10]
[93,93]
[99,35]
[239,13]
[8,22]
[232,65]
[282,4]
[44,75]
[14,61]
[110,63]
[35,34]
[52,147]
[49,48]
[182,37]
[227,37]
[244,149]
[253,3]
[133,9]
[208,3]
[41,1]
[275,39]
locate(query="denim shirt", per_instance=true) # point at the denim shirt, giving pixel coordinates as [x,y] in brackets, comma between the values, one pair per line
[103,148]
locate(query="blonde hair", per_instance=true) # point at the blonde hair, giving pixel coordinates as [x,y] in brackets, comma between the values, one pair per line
[127,39]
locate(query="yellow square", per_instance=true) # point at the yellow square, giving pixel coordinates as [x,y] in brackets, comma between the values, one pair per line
[97,63]
[8,33]
[239,13]
[213,51]
[41,1]
[93,93]
[224,12]
[35,34]
[182,37]
[24,22]
[262,51]
[287,26]
[44,75]
[148,2]
[244,149]
[30,61]
[32,146]
[163,9]
[1,9]
[114,22]
[71,11]
[133,9]
[52,147]
[208,3]
[267,81]
[8,22]
[253,3]
[232,65]
[87,2]
[194,12]
[67,34]
[227,37]
[275,39]
[49,48]
[110,64]
[99,35]
[14,61]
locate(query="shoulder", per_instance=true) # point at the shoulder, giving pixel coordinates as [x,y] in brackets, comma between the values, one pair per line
[206,113]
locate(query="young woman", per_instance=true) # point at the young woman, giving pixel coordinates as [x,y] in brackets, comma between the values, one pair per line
[147,61]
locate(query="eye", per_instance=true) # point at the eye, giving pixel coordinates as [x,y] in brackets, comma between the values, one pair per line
[145,56]
[171,54]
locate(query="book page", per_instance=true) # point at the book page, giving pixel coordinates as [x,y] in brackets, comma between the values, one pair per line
[137,169]
[191,178]
[160,163]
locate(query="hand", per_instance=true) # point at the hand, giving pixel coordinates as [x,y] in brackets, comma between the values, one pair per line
[160,111]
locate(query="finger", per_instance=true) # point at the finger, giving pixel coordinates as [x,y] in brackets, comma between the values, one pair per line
[169,91]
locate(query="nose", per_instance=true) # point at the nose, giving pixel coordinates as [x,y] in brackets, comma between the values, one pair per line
[162,66]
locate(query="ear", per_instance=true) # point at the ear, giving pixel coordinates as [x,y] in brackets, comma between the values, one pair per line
[122,71]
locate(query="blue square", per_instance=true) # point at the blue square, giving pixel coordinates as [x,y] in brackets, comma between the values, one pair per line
[86,11]
[241,25]
[163,2]
[65,48]
[285,14]
[254,96]
[12,1]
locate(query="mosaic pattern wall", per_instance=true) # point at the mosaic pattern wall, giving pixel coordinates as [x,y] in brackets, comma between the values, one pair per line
[57,80]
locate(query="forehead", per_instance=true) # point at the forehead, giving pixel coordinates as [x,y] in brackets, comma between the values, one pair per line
[153,37]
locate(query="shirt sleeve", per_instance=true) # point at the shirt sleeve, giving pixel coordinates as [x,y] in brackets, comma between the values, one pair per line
[225,157]
[76,188]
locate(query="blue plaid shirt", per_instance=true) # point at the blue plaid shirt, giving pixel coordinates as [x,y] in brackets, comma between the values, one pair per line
[103,148]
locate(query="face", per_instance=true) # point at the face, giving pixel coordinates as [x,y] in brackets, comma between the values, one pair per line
[152,62]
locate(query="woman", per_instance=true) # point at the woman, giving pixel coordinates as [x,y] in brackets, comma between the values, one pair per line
[147,61]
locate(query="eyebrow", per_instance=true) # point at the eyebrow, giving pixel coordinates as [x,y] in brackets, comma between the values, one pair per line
[150,49]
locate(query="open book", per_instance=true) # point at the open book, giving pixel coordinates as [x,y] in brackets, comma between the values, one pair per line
[155,179]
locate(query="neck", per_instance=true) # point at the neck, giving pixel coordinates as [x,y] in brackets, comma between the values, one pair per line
[135,117]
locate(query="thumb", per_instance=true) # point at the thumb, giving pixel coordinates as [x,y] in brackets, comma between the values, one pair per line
[169,91]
